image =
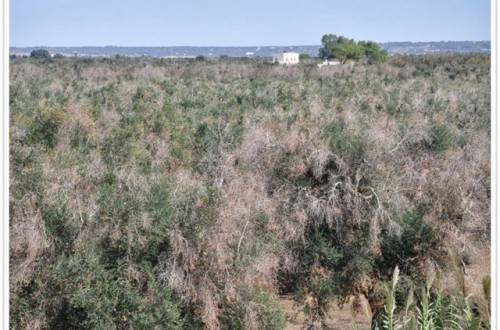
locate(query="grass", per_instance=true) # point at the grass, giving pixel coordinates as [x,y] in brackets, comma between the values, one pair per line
[436,308]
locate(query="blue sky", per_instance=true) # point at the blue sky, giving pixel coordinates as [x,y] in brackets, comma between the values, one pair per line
[242,23]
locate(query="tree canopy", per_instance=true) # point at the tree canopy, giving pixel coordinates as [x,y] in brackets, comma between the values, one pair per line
[40,54]
[344,49]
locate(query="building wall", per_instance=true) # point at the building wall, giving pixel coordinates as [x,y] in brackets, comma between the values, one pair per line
[286,58]
[329,62]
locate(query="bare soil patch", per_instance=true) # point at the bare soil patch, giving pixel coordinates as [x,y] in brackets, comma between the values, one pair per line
[337,318]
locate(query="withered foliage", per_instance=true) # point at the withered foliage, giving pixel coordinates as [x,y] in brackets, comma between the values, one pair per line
[154,193]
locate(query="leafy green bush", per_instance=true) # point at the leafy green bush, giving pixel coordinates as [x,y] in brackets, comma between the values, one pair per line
[80,139]
[98,297]
[116,202]
[45,127]
[441,139]
[335,261]
[344,144]
[27,173]
[56,222]
[22,306]
[103,98]
[159,206]
[411,239]
[264,308]
[116,149]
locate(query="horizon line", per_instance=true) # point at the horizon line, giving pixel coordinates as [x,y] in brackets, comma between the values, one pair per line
[208,46]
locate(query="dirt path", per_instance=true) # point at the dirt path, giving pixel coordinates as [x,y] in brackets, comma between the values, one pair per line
[337,319]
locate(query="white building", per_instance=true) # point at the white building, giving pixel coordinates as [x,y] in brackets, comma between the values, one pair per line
[329,62]
[286,58]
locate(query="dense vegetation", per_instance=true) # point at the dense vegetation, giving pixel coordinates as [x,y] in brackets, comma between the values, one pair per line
[156,194]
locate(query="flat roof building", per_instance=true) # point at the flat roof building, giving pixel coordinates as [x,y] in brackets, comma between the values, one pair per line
[286,58]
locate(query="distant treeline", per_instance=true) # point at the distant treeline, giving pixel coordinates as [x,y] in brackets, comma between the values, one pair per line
[256,51]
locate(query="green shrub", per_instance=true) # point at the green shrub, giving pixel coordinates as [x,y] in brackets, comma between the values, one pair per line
[441,139]
[211,140]
[195,210]
[45,127]
[422,70]
[262,305]
[116,149]
[116,202]
[57,224]
[400,246]
[143,161]
[344,144]
[104,98]
[22,307]
[158,308]
[335,260]
[159,206]
[98,297]
[27,175]
[80,139]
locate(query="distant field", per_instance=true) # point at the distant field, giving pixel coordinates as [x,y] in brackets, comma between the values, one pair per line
[147,193]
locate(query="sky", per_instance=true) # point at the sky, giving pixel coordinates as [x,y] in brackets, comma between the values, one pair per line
[242,23]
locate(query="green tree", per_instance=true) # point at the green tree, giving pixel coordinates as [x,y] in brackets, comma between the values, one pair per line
[345,49]
[303,56]
[340,47]
[373,53]
[40,54]
[329,41]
